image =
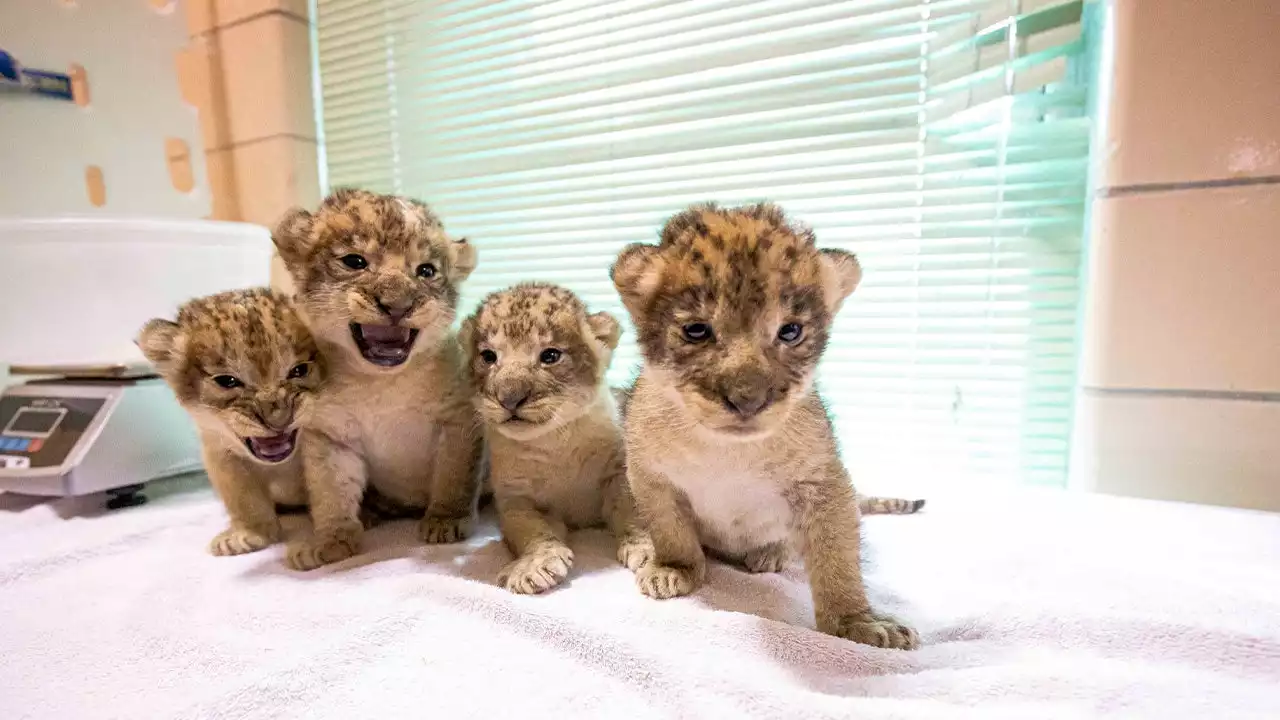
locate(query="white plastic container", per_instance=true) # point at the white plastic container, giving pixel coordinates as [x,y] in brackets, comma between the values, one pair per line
[76,291]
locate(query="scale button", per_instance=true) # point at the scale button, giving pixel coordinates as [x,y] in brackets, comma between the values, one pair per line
[34,445]
[8,443]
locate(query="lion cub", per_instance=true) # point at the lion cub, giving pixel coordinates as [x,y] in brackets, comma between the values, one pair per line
[246,368]
[377,283]
[538,361]
[728,444]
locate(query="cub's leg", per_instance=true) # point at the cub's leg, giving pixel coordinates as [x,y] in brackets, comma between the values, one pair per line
[451,511]
[635,547]
[336,477]
[542,559]
[679,565]
[252,512]
[832,546]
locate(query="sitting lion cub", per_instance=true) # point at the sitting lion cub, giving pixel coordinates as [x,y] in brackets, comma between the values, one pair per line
[377,282]
[245,367]
[729,446]
[538,363]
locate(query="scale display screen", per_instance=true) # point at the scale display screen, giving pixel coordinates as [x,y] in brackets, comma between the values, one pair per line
[35,422]
[40,432]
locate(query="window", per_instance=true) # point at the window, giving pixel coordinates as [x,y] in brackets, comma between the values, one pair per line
[943,141]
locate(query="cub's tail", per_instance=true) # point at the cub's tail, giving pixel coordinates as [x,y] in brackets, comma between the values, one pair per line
[872,505]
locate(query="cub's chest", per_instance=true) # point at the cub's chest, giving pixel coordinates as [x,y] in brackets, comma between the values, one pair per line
[381,415]
[738,509]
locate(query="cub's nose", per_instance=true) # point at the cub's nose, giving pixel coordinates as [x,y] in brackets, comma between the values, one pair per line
[746,404]
[395,311]
[277,417]
[513,399]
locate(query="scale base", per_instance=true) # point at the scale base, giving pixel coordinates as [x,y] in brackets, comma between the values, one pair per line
[124,497]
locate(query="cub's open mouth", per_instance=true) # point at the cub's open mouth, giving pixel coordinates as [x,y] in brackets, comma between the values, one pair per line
[385,345]
[273,448]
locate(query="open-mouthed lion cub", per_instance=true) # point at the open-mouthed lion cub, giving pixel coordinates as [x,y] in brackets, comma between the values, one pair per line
[538,361]
[377,282]
[729,446]
[246,369]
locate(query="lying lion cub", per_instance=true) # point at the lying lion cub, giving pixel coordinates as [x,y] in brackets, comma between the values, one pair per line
[538,361]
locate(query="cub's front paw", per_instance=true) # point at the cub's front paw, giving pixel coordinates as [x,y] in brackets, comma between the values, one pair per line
[879,630]
[322,551]
[538,570]
[635,551]
[233,541]
[438,530]
[663,581]
[767,559]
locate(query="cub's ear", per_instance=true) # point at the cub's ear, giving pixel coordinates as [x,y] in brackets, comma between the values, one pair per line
[467,337]
[605,328]
[465,257]
[159,341]
[636,274]
[292,236]
[841,274]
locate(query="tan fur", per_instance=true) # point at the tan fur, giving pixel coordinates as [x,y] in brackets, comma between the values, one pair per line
[256,337]
[729,447]
[556,459]
[408,432]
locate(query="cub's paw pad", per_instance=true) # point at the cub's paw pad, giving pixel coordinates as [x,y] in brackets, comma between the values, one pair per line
[883,631]
[439,530]
[635,552]
[317,553]
[768,559]
[663,581]
[537,571]
[238,542]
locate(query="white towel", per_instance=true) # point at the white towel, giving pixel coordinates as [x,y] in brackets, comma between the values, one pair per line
[1030,605]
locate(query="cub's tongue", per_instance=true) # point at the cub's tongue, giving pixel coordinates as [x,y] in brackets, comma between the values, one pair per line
[273,448]
[385,344]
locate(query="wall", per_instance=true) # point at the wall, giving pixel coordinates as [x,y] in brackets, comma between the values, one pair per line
[253,66]
[194,108]
[1181,364]
[129,144]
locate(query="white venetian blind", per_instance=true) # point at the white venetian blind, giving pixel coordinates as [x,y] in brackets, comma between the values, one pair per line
[943,141]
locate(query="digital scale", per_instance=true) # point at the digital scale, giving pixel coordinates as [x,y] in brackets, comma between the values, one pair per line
[91,430]
[81,410]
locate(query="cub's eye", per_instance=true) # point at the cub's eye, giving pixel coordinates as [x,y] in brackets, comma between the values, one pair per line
[550,356]
[355,262]
[227,381]
[299,371]
[489,357]
[426,271]
[697,332]
[791,333]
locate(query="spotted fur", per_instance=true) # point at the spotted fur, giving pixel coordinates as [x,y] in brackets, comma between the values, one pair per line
[729,447]
[256,337]
[408,431]
[555,447]
[395,235]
